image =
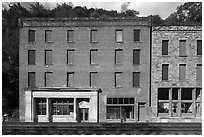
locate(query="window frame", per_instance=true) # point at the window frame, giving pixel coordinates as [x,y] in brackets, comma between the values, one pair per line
[181,72]
[180,47]
[96,81]
[164,50]
[45,79]
[137,61]
[116,35]
[46,36]
[134,32]
[91,35]
[116,57]
[133,82]
[199,51]
[73,55]
[116,85]
[48,63]
[68,79]
[29,57]
[167,65]
[29,36]
[96,57]
[34,84]
[68,36]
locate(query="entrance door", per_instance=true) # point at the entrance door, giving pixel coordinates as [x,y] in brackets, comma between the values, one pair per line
[141,112]
[84,114]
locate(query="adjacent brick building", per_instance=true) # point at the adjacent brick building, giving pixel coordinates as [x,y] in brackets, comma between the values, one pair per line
[84,70]
[176,74]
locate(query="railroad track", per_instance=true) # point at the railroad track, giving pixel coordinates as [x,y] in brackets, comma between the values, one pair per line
[101,128]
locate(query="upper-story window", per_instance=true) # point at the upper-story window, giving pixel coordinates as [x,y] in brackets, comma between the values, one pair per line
[31,36]
[31,57]
[48,57]
[118,56]
[70,56]
[70,35]
[31,79]
[199,72]
[136,56]
[119,35]
[182,48]
[136,79]
[165,47]
[199,47]
[48,35]
[93,79]
[93,36]
[118,79]
[182,72]
[136,35]
[165,69]
[93,56]
[48,79]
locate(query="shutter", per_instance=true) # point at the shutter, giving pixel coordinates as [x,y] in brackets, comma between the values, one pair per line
[70,35]
[136,79]
[119,34]
[118,79]
[118,56]
[93,35]
[199,72]
[48,79]
[165,71]
[136,57]
[182,72]
[199,47]
[31,57]
[165,47]
[48,37]
[136,35]
[48,56]
[31,79]
[93,54]
[70,56]
[94,79]
[182,48]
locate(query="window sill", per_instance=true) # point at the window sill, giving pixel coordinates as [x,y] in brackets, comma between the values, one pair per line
[137,41]
[47,65]
[183,56]
[165,81]
[119,42]
[49,42]
[165,55]
[70,64]
[70,41]
[93,41]
[118,87]
[136,87]
[93,64]
[32,42]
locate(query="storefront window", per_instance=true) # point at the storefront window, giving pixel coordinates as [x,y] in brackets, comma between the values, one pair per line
[163,107]
[62,106]
[163,100]
[41,106]
[186,100]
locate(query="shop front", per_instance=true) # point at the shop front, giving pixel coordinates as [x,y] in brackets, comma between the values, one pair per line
[61,105]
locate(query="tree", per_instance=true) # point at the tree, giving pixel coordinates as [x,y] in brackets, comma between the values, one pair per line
[189,13]
[156,20]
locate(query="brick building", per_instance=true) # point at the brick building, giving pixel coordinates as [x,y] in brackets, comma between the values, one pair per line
[176,74]
[84,70]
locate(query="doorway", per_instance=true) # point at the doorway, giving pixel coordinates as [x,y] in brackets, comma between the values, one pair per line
[141,112]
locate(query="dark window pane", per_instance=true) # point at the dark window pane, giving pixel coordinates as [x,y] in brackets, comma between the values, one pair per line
[136,57]
[126,101]
[182,48]
[113,112]
[40,106]
[199,72]
[120,100]
[186,94]
[132,100]
[165,47]
[182,72]
[175,94]
[163,94]
[186,107]
[31,36]
[199,47]
[136,35]
[31,79]
[109,100]
[136,79]
[165,71]
[31,56]
[115,100]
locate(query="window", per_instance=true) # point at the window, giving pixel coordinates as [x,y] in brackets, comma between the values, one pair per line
[93,56]
[186,100]
[70,35]
[118,79]
[182,72]
[136,35]
[48,79]
[136,79]
[199,47]
[31,79]
[136,56]
[163,100]
[48,35]
[198,101]
[199,72]
[93,36]
[119,36]
[182,48]
[40,106]
[62,106]
[31,36]
[175,108]
[120,108]
[165,47]
[70,56]
[93,79]
[70,79]
[31,57]
[48,57]
[118,56]
[165,71]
